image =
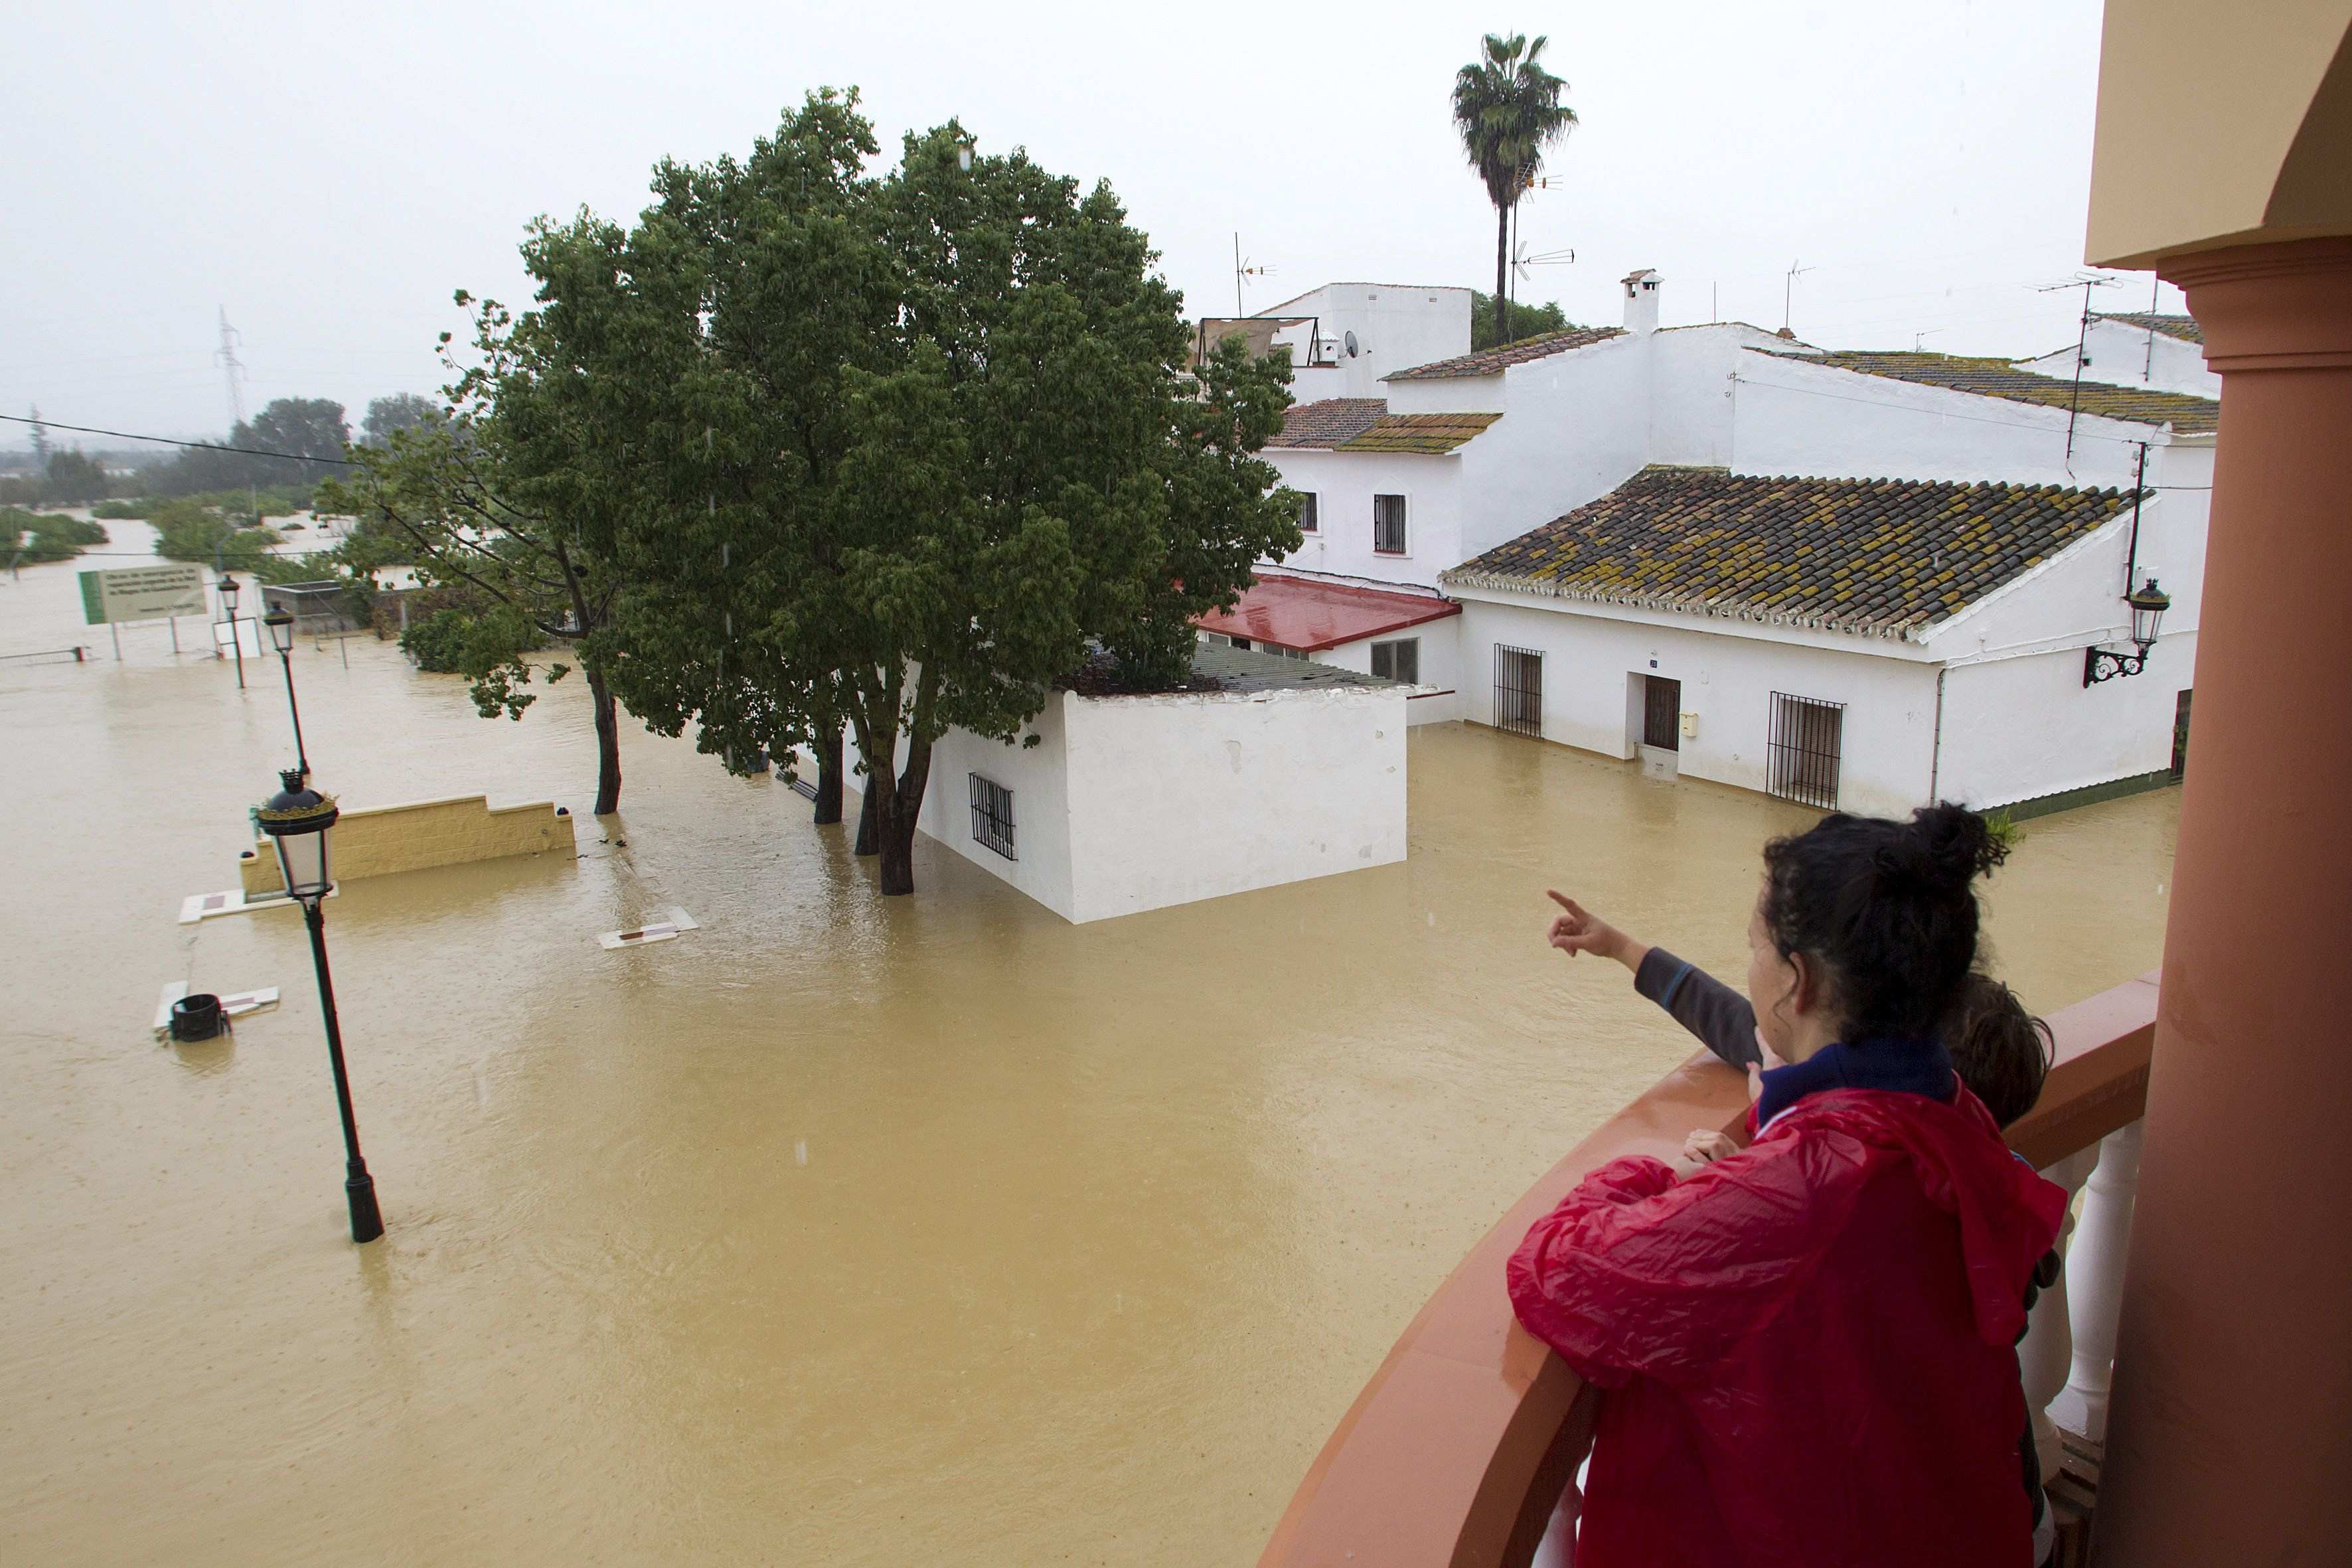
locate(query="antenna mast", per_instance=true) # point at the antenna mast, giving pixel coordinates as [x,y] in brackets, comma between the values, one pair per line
[232,367]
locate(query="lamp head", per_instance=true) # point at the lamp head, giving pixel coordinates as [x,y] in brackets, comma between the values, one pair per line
[228,587]
[2147,608]
[297,819]
[281,628]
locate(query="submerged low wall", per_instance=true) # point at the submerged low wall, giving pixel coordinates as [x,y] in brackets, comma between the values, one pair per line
[377,840]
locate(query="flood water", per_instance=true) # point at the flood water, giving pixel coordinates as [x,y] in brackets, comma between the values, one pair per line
[841,1230]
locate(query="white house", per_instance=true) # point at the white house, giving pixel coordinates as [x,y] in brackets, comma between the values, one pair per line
[1286,771]
[2138,349]
[1468,458]
[1396,632]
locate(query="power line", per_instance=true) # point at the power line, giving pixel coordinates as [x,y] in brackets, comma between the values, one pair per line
[174,441]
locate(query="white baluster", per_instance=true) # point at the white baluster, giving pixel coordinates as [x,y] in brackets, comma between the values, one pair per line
[2094,1279]
[2045,1355]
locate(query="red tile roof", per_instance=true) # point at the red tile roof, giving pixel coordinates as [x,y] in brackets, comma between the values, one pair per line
[1329,421]
[1310,616]
[1495,361]
[1365,425]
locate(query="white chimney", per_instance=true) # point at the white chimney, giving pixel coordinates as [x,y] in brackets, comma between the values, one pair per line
[1642,300]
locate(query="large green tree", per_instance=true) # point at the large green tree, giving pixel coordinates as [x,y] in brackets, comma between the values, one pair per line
[466,505]
[1506,109]
[893,452]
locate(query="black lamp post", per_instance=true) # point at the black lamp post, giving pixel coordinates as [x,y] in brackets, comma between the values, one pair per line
[2147,608]
[296,820]
[281,637]
[228,590]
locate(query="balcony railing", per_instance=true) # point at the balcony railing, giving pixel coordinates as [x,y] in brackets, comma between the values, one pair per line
[1460,1450]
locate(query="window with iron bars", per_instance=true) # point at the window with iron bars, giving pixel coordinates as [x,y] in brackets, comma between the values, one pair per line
[1388,525]
[1397,660]
[1803,749]
[1309,508]
[991,816]
[1518,690]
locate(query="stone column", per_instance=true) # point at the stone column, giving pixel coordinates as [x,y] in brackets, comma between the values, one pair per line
[2230,1433]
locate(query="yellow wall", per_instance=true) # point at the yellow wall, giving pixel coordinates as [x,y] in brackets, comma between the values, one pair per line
[377,840]
[2220,124]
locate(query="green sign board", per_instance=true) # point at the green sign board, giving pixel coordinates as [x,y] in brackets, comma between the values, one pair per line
[142,593]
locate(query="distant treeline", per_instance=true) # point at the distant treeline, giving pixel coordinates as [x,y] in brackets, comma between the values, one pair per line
[298,427]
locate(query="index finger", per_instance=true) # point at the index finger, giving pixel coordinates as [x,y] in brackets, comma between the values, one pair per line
[1563,901]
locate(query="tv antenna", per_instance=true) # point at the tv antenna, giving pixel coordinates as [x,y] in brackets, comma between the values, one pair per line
[231,367]
[1788,292]
[1244,269]
[2085,281]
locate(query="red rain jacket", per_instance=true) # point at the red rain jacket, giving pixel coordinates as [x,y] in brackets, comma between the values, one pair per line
[1808,1348]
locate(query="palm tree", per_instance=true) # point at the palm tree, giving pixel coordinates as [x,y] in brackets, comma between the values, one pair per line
[1508,109]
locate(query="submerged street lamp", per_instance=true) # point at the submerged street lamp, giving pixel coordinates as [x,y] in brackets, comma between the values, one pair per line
[228,590]
[2147,608]
[298,820]
[281,637]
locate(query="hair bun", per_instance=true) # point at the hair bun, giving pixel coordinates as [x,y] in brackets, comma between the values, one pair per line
[1950,845]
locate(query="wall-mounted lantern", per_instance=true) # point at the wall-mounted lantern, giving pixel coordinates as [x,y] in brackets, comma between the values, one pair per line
[2147,608]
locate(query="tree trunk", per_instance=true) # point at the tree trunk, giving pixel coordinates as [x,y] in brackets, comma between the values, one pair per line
[828,778]
[902,804]
[868,816]
[1502,269]
[608,746]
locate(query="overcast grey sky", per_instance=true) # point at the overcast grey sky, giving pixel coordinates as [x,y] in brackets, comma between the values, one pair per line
[330,174]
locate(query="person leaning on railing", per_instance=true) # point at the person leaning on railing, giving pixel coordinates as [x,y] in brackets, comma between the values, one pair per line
[1805,1347]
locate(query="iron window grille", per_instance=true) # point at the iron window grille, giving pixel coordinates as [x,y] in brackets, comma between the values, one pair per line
[1388,525]
[803,786]
[1310,511]
[1397,660]
[991,816]
[1518,690]
[1804,748]
[1661,704]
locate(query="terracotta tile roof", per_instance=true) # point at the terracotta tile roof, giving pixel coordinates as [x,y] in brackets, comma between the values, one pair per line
[2000,378]
[1420,433]
[2185,328]
[1329,421]
[1493,361]
[1883,557]
[1309,615]
[1365,425]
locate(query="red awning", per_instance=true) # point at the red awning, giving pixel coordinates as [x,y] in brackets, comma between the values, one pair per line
[1302,614]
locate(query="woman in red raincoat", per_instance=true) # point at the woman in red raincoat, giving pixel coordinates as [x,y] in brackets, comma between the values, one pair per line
[1805,1349]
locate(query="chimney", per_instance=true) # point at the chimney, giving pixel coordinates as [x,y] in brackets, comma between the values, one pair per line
[1642,300]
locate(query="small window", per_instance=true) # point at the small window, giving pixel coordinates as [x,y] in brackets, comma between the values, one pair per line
[1518,690]
[1807,736]
[991,816]
[1242,644]
[1309,512]
[1397,660]
[1388,525]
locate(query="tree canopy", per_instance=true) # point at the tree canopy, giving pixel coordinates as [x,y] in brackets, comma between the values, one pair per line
[890,451]
[1526,320]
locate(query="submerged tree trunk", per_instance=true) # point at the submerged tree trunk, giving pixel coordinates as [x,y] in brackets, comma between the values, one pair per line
[902,804]
[868,839]
[828,777]
[608,746]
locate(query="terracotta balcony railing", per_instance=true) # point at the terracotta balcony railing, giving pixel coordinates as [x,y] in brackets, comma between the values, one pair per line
[1456,1454]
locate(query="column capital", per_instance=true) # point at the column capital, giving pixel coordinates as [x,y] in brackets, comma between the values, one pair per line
[2270,307]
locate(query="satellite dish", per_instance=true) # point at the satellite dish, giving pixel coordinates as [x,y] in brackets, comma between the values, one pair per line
[1352,347]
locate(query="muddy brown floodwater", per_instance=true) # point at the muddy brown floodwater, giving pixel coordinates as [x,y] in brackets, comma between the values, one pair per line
[838,1231]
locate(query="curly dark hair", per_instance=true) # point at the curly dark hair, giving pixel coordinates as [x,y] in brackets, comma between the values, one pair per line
[1887,910]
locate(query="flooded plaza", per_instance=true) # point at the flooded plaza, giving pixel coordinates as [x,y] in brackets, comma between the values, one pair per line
[840,1230]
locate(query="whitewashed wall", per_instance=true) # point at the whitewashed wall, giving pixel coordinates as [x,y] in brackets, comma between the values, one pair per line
[1346,483]
[1438,699]
[2119,354]
[1184,797]
[1727,681]
[1397,326]
[2015,728]
[1135,803]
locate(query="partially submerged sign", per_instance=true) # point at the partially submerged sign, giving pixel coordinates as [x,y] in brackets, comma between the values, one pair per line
[142,593]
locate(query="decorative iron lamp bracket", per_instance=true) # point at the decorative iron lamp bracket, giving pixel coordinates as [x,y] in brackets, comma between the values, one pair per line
[2147,608]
